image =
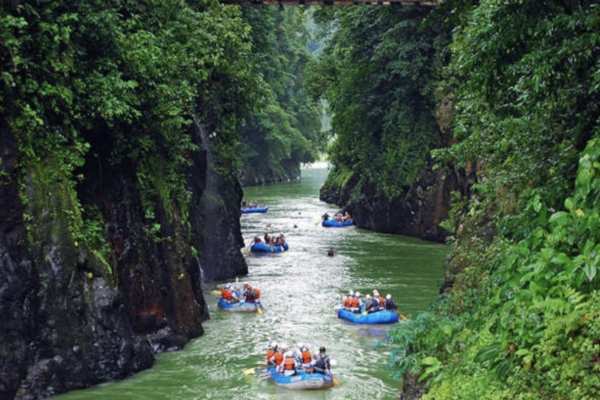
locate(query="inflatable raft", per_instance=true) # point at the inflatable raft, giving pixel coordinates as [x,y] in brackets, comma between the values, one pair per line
[302,380]
[379,317]
[242,306]
[255,210]
[333,223]
[265,248]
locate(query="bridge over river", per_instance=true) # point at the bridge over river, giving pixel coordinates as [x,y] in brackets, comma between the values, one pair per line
[406,3]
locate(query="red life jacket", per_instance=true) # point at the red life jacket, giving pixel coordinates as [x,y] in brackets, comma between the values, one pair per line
[381,302]
[289,364]
[278,358]
[348,302]
[306,358]
[355,302]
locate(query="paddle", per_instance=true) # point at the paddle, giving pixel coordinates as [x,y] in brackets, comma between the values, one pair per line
[258,308]
[336,382]
[252,371]
[216,292]
[265,375]
[401,315]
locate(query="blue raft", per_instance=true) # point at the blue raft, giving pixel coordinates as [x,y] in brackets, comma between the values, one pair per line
[242,306]
[264,248]
[255,210]
[333,223]
[379,317]
[302,380]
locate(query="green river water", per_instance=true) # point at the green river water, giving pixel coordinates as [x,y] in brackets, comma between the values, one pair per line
[300,290]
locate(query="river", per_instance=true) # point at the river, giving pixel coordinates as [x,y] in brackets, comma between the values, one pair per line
[300,290]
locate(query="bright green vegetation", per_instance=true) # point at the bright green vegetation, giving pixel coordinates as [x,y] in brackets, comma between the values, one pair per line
[375,72]
[119,84]
[286,129]
[522,320]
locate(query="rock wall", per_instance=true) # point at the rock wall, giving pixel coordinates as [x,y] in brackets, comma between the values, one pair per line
[422,206]
[66,321]
[417,212]
[266,176]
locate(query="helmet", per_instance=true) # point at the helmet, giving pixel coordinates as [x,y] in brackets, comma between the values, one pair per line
[389,296]
[375,292]
[304,348]
[273,345]
[299,345]
[368,296]
[288,354]
[357,294]
[351,293]
[283,346]
[322,349]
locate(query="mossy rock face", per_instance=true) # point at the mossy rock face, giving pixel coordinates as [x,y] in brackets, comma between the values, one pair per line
[416,212]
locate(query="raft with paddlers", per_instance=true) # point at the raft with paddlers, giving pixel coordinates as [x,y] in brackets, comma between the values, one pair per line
[241,306]
[255,210]
[265,248]
[301,380]
[333,223]
[378,317]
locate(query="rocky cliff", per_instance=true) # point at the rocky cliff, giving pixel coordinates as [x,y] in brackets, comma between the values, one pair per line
[264,175]
[421,207]
[71,315]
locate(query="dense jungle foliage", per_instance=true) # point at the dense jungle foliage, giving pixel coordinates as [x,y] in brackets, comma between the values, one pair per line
[127,78]
[375,72]
[286,129]
[522,320]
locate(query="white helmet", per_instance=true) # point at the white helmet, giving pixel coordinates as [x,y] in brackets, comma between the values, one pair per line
[288,354]
[351,293]
[368,296]
[375,292]
[273,344]
[283,346]
[389,296]
[357,294]
[299,345]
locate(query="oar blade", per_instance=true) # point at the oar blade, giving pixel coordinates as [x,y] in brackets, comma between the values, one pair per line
[249,371]
[336,382]
[216,292]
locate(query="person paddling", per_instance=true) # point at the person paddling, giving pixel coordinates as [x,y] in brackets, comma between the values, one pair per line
[322,362]
[348,300]
[270,353]
[330,252]
[389,303]
[306,358]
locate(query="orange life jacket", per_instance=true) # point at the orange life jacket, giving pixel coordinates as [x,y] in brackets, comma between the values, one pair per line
[257,293]
[348,302]
[270,353]
[355,302]
[278,358]
[381,302]
[306,358]
[289,364]
[226,294]
[339,218]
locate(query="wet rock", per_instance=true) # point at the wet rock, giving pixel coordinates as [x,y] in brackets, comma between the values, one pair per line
[417,212]
[66,321]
